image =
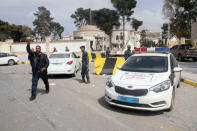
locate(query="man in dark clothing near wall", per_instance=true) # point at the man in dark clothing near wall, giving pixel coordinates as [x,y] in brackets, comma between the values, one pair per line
[107,53]
[127,53]
[39,63]
[85,65]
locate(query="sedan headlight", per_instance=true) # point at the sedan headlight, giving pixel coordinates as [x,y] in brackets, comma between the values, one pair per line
[161,87]
[109,83]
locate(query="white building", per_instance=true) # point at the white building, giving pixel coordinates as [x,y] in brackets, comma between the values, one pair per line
[98,39]
[152,36]
[131,38]
[67,37]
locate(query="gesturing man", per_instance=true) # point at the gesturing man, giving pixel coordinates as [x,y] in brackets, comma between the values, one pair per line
[40,63]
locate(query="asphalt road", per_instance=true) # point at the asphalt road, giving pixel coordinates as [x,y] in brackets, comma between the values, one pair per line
[74,106]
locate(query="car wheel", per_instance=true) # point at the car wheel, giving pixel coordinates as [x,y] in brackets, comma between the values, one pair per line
[180,58]
[172,101]
[75,73]
[194,59]
[11,62]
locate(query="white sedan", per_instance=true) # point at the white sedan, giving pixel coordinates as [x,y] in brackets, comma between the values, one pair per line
[8,59]
[146,81]
[63,63]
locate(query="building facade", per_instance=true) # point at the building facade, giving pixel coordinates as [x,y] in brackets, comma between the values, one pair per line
[131,38]
[99,41]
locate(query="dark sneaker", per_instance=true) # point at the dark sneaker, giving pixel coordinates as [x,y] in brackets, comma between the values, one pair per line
[33,97]
[47,90]
[83,80]
[88,81]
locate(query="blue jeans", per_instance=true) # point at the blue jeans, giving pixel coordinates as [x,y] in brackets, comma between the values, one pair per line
[35,77]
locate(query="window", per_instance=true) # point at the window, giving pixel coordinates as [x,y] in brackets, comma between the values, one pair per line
[175,47]
[74,55]
[146,64]
[117,37]
[173,62]
[3,54]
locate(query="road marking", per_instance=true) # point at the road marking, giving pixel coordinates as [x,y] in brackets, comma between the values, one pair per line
[190,82]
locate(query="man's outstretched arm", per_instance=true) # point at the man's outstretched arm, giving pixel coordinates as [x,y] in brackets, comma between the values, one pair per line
[28,47]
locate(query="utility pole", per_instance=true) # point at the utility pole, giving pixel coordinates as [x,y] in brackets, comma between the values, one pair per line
[90,17]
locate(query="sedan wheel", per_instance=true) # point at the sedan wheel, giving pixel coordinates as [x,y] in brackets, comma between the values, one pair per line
[11,62]
[172,101]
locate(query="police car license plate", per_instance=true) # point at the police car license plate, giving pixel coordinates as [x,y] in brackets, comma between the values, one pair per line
[128,99]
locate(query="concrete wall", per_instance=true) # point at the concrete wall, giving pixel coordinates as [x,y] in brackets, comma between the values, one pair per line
[5,47]
[60,46]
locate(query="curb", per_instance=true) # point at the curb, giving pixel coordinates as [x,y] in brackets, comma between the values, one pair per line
[190,82]
[21,62]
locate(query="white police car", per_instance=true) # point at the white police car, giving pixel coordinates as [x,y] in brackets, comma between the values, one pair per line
[146,81]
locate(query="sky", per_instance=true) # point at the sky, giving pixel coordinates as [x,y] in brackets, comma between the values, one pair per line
[20,12]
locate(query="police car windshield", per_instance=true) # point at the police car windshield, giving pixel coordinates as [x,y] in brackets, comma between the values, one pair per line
[146,64]
[59,56]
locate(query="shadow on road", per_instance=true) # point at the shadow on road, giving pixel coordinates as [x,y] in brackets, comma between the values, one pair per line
[78,80]
[39,91]
[104,104]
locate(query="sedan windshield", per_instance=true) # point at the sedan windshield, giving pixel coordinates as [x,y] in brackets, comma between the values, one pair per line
[146,64]
[59,56]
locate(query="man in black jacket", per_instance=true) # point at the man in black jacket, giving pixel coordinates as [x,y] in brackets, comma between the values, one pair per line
[127,53]
[39,62]
[85,65]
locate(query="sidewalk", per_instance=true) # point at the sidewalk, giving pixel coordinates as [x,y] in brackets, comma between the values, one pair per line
[189,73]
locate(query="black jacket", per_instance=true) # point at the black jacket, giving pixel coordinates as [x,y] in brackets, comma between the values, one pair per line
[85,59]
[127,54]
[33,56]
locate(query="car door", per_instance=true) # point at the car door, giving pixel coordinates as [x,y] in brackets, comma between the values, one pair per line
[3,58]
[76,60]
[177,74]
[175,52]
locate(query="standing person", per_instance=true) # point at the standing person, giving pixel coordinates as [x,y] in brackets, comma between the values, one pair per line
[107,53]
[40,63]
[55,50]
[127,53]
[85,65]
[67,50]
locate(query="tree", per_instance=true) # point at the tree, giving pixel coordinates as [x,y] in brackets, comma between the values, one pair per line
[181,13]
[56,30]
[4,30]
[42,22]
[164,34]
[136,23]
[106,19]
[125,10]
[81,17]
[16,32]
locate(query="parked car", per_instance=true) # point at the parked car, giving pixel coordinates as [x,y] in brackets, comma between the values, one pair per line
[63,63]
[184,51]
[8,59]
[146,81]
